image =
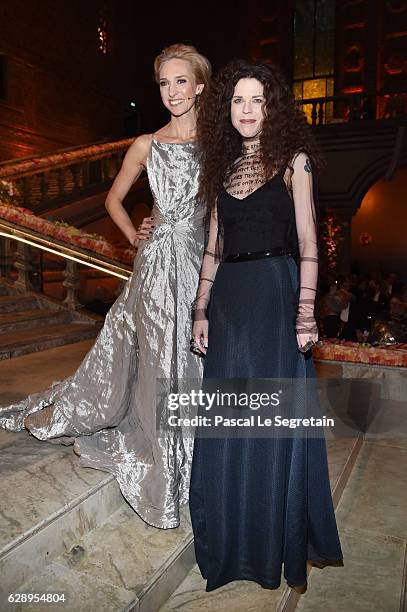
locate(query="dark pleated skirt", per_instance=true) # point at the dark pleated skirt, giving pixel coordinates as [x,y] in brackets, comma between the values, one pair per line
[259,504]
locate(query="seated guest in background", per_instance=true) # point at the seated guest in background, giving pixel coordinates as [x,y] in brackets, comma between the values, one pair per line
[391,279]
[398,303]
[382,297]
[398,313]
[332,305]
[361,314]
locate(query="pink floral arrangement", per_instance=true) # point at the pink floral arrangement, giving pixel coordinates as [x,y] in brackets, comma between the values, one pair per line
[58,230]
[344,350]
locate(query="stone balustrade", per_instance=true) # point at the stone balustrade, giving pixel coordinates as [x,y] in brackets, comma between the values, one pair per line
[354,107]
[47,181]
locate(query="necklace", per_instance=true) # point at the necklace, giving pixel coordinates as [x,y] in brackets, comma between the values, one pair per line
[249,147]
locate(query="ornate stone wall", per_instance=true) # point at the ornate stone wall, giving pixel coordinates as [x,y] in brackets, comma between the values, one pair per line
[59,89]
[371,47]
[270,32]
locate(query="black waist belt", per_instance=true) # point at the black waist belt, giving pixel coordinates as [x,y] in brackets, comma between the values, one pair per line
[275,252]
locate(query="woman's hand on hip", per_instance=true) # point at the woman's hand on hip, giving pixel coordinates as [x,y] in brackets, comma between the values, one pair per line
[144,231]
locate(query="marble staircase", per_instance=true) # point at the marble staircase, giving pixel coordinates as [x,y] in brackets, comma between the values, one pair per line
[244,595]
[29,322]
[68,530]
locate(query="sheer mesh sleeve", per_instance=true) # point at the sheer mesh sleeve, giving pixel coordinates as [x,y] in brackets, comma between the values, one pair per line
[209,268]
[302,190]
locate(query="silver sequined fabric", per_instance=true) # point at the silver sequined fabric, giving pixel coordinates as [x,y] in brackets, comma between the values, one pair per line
[107,408]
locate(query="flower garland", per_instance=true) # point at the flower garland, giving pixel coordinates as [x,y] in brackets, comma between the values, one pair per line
[345,350]
[37,164]
[59,230]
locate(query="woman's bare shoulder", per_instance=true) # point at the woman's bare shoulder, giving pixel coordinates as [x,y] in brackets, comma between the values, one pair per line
[141,144]
[139,150]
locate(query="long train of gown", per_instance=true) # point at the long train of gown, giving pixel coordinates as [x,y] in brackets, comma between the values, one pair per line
[108,406]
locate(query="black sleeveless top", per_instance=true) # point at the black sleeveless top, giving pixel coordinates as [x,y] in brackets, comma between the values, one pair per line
[262,220]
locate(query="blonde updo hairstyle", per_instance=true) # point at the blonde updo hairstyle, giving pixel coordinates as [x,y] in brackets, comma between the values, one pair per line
[200,65]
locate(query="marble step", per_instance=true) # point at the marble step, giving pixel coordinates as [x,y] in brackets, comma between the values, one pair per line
[23,341]
[26,319]
[47,503]
[68,530]
[244,595]
[123,566]
[18,303]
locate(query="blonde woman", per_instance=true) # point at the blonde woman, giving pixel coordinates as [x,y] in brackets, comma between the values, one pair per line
[108,407]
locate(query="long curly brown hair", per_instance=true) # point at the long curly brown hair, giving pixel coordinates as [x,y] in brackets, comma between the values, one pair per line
[285,131]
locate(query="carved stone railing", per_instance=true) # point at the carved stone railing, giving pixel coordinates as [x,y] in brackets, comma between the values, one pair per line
[47,181]
[23,265]
[354,107]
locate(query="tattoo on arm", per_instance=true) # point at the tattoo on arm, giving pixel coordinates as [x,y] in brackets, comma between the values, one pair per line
[307,166]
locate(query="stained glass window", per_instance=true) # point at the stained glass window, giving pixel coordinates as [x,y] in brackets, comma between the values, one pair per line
[314,51]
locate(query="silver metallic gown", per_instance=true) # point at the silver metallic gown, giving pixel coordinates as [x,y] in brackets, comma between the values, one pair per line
[107,408]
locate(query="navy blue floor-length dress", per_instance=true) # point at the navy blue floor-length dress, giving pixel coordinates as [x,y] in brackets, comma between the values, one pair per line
[259,504]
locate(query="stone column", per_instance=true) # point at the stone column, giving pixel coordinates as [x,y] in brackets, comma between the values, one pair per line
[24,267]
[71,283]
[6,258]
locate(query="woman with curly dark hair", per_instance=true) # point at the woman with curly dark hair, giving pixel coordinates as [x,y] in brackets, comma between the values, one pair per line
[258,503]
